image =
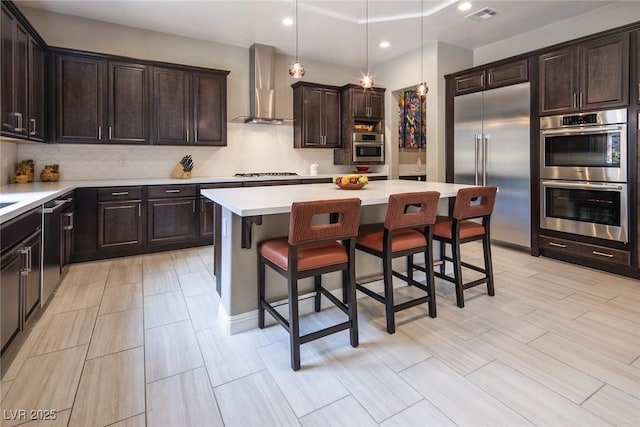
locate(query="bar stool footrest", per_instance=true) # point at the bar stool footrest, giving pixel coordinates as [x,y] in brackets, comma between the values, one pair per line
[325,332]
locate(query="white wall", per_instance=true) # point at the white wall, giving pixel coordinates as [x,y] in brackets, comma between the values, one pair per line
[614,15]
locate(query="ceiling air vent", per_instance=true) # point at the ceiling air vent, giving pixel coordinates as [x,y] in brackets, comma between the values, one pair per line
[482,14]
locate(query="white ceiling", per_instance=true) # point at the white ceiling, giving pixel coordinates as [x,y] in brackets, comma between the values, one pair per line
[330,31]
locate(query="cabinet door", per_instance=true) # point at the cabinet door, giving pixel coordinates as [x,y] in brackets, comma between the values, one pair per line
[9,120]
[604,73]
[32,280]
[171,220]
[170,107]
[331,110]
[359,104]
[559,81]
[36,124]
[636,79]
[508,74]
[127,103]
[79,91]
[206,217]
[312,117]
[10,298]
[468,83]
[119,224]
[209,109]
[376,105]
[15,45]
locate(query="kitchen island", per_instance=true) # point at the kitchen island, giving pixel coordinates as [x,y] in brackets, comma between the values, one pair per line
[245,216]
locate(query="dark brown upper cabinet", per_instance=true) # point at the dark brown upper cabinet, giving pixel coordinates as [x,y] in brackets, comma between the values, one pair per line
[367,104]
[316,113]
[591,75]
[492,77]
[100,101]
[80,99]
[22,77]
[635,82]
[189,107]
[127,103]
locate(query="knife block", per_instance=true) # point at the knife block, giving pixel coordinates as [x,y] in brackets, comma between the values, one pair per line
[179,173]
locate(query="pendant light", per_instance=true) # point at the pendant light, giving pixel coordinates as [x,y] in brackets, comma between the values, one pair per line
[366,81]
[296,70]
[422,88]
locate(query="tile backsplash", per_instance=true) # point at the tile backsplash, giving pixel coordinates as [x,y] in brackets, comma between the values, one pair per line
[250,148]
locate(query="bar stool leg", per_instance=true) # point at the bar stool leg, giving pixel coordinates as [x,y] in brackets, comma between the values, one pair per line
[318,297]
[261,291]
[349,282]
[488,266]
[410,268]
[457,272]
[388,293]
[431,282]
[294,323]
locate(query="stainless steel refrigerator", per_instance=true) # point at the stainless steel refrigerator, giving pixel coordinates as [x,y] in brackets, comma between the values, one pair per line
[491,147]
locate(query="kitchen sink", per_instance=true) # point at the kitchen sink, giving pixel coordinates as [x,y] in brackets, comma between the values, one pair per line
[5,204]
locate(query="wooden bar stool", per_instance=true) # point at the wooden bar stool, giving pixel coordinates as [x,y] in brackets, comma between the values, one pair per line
[405,232]
[471,203]
[312,250]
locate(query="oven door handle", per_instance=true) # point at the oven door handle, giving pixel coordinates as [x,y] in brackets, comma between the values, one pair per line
[597,187]
[583,130]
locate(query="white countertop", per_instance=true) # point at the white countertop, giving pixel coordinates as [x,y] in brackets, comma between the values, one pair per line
[249,201]
[32,195]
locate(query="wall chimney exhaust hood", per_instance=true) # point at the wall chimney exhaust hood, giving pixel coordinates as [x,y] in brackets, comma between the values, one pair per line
[262,95]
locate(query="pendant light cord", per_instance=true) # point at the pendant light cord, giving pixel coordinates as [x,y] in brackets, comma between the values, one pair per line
[296,31]
[421,41]
[367,35]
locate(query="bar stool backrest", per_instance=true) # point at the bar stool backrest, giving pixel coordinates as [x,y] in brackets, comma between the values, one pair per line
[474,202]
[398,217]
[302,230]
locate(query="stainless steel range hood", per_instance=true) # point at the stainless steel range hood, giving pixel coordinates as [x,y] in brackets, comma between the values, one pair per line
[262,95]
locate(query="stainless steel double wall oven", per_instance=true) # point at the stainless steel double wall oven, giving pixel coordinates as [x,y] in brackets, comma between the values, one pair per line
[583,171]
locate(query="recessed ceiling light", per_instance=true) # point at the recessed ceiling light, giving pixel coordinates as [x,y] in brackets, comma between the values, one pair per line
[384,44]
[287,22]
[464,6]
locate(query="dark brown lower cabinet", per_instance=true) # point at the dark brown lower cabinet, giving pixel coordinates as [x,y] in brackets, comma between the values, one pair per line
[206,217]
[120,224]
[171,220]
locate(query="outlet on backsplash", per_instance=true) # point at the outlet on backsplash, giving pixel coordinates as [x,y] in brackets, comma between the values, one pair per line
[122,160]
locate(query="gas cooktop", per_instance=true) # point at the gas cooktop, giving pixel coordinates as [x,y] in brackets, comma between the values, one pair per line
[249,174]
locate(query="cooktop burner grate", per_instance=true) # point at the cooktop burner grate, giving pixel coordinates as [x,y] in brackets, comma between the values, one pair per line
[249,174]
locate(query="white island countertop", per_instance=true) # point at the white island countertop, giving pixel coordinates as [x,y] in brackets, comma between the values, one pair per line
[251,201]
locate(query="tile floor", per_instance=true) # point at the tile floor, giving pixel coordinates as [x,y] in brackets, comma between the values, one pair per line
[137,341]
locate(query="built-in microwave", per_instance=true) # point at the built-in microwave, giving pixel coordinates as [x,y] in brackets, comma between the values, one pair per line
[584,147]
[368,147]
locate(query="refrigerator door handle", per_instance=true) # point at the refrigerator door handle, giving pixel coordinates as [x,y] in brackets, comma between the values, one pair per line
[478,138]
[485,144]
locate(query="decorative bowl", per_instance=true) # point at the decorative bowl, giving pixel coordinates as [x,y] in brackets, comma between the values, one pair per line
[351,181]
[362,169]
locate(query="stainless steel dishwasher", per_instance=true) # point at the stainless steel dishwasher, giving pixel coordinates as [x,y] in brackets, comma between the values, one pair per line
[57,240]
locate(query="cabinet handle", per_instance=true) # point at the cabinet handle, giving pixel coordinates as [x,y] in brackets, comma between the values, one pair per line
[99,132]
[120,193]
[25,271]
[581,97]
[602,254]
[171,191]
[110,133]
[575,100]
[18,127]
[187,136]
[70,216]
[557,245]
[139,209]
[193,204]
[195,135]
[33,122]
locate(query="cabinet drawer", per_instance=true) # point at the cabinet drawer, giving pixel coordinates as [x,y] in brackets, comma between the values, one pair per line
[586,250]
[109,194]
[167,191]
[469,83]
